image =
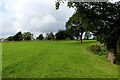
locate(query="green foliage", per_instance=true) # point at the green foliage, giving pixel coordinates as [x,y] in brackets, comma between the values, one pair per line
[99,50]
[57,5]
[69,34]
[68,38]
[46,38]
[18,37]
[95,38]
[61,35]
[27,36]
[54,59]
[102,19]
[40,37]
[10,38]
[64,35]
[49,36]
[76,25]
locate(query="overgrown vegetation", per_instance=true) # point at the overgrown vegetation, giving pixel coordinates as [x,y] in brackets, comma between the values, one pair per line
[100,50]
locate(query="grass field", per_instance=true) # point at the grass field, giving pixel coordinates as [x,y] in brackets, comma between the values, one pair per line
[54,59]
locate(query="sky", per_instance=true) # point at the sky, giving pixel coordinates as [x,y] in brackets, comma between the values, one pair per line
[35,16]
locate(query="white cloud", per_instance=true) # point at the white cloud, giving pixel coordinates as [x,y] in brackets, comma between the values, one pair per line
[36,16]
[48,19]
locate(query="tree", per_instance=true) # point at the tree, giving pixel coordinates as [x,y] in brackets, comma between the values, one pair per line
[46,38]
[10,38]
[76,25]
[40,37]
[61,35]
[87,35]
[103,19]
[94,37]
[27,36]
[18,37]
[49,36]
[69,34]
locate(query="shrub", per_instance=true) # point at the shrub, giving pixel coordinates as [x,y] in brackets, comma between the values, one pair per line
[99,50]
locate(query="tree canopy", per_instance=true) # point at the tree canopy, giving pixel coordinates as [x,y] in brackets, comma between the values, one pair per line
[40,37]
[10,38]
[27,36]
[76,25]
[61,35]
[50,36]
[101,18]
[17,37]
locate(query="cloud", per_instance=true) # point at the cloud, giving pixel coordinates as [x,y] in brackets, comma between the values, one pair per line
[36,16]
[41,23]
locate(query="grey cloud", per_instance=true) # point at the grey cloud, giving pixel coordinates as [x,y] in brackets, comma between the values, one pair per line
[36,16]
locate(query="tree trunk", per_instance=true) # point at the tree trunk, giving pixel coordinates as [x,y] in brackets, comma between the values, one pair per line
[81,37]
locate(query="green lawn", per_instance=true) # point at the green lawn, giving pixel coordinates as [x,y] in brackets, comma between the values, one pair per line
[54,59]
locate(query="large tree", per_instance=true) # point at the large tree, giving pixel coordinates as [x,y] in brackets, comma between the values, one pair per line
[77,25]
[103,19]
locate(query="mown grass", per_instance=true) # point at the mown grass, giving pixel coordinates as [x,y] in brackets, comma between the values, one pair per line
[54,59]
[0,61]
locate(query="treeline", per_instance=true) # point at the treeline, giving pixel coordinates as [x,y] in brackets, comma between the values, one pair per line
[60,35]
[19,36]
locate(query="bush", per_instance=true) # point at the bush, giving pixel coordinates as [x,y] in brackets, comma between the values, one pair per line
[99,50]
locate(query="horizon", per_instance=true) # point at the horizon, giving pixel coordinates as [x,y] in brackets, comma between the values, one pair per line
[26,16]
[35,16]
